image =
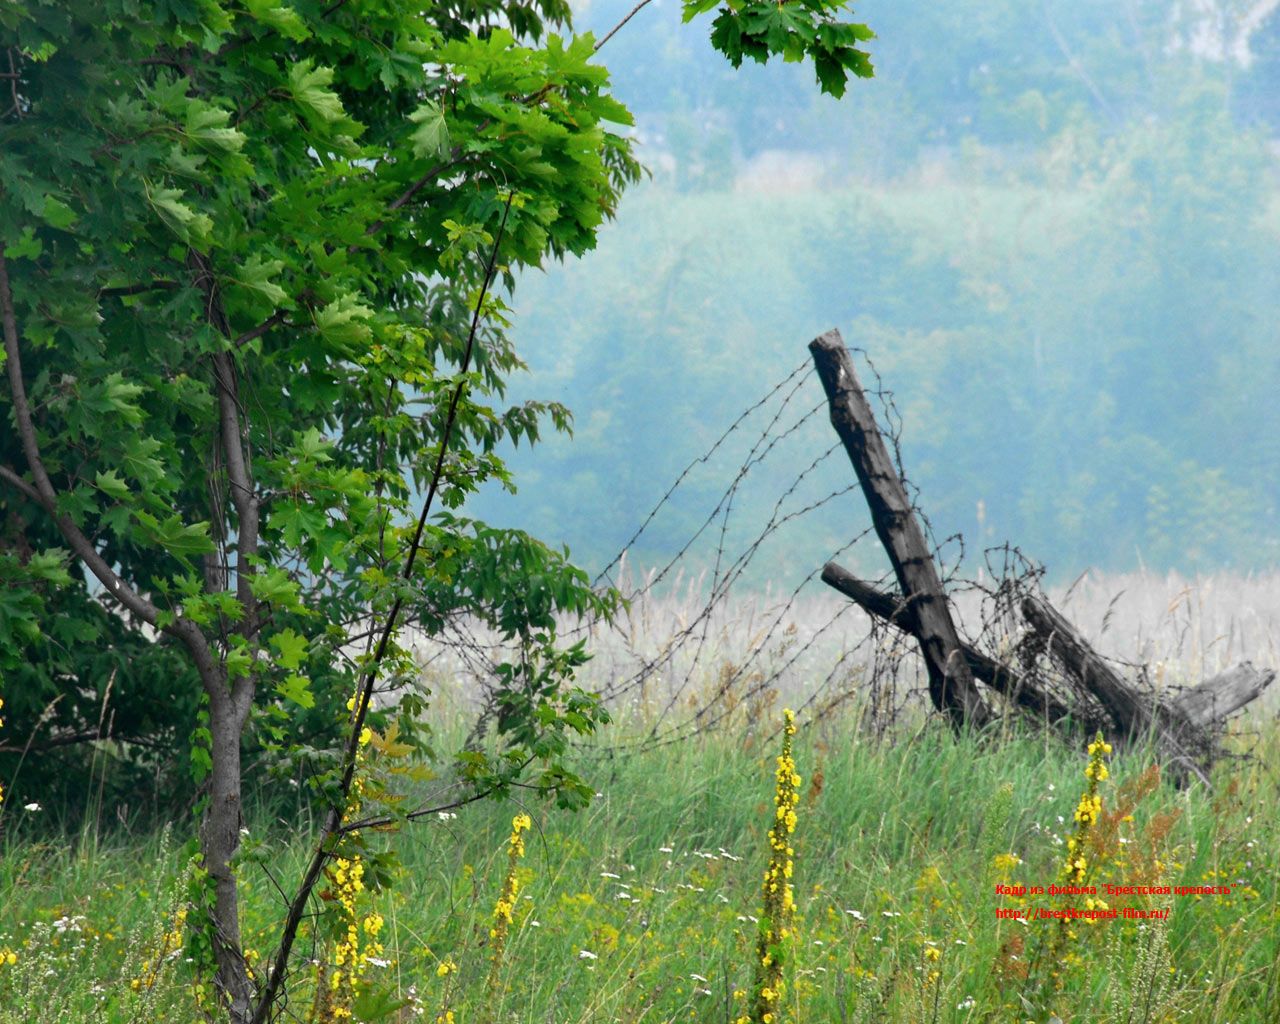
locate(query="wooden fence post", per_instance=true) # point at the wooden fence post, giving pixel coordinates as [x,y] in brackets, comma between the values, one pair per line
[951,684]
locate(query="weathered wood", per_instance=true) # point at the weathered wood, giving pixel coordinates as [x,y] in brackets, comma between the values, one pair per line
[951,685]
[1133,717]
[1208,705]
[1128,714]
[1004,678]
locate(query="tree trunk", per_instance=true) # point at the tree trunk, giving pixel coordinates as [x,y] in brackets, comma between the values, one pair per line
[219,841]
[951,685]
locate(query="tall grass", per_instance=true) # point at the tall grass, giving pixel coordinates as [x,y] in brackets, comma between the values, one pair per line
[645,906]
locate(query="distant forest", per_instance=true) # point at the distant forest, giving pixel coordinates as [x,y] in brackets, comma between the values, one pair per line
[1054,228]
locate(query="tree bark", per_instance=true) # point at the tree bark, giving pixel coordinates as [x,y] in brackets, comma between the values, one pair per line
[219,842]
[230,700]
[951,685]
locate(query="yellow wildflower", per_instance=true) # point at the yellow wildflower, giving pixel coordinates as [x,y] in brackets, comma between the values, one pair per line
[779,897]
[505,907]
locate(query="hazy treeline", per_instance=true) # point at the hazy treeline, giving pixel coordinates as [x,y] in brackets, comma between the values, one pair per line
[1054,228]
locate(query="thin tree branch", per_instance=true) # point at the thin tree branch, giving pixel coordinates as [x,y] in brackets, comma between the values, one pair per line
[13,77]
[1075,65]
[333,823]
[184,629]
[262,328]
[138,289]
[16,481]
[423,812]
[631,14]
[417,187]
[71,739]
[44,490]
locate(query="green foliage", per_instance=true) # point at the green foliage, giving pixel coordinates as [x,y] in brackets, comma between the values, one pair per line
[129,690]
[311,191]
[793,30]
[253,308]
[251,311]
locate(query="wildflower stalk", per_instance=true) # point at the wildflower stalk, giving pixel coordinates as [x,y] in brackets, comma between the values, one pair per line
[446,970]
[778,915]
[505,907]
[339,983]
[352,954]
[169,947]
[1076,868]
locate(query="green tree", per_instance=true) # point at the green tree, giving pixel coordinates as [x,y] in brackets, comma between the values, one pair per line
[253,257]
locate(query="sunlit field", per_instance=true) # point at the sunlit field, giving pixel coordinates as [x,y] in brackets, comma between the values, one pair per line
[646,905]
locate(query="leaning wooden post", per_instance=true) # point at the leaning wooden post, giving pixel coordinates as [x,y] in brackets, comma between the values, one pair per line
[951,684]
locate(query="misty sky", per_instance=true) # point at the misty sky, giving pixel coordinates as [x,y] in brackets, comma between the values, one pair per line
[1052,228]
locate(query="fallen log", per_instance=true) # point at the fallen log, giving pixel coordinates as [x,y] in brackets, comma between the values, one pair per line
[951,685]
[1210,704]
[1133,717]
[1003,678]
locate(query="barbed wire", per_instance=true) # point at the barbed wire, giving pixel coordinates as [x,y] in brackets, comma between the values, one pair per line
[685,685]
[703,459]
[685,658]
[764,426]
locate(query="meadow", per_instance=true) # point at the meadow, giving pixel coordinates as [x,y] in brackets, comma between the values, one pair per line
[645,906]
